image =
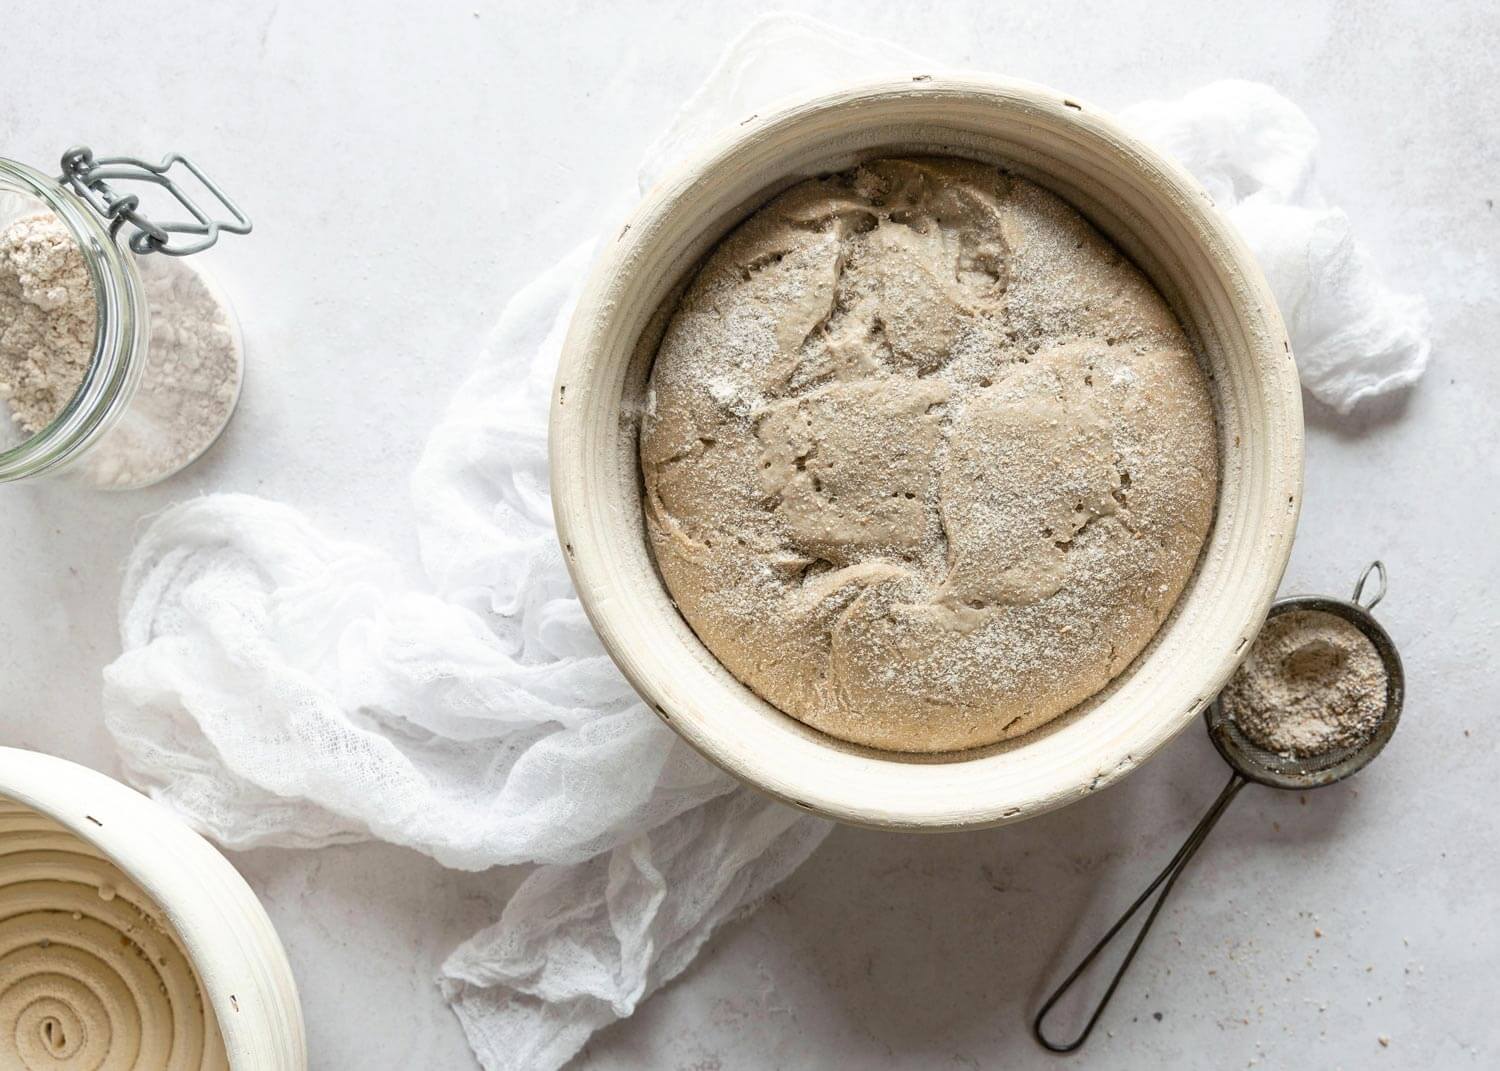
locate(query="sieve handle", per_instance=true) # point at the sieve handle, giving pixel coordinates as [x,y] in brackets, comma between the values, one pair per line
[1378,568]
[1165,880]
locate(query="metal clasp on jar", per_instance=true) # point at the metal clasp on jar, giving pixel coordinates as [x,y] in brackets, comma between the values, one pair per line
[91,177]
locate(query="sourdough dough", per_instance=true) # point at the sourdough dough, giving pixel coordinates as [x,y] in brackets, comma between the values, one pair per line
[926,459]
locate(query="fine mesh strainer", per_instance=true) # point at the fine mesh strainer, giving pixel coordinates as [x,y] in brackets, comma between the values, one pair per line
[1249,762]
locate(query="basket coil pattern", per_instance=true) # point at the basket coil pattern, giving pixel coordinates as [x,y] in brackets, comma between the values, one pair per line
[91,975]
[127,942]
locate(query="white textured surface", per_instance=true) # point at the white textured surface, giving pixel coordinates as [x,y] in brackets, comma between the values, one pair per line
[372,277]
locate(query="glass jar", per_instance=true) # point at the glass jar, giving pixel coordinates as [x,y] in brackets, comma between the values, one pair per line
[163,375]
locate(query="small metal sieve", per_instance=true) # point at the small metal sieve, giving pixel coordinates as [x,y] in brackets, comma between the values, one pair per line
[1250,762]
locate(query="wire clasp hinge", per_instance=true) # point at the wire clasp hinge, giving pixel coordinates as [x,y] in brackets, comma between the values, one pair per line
[91,177]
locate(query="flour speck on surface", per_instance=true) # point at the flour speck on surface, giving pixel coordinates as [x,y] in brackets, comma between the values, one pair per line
[48,318]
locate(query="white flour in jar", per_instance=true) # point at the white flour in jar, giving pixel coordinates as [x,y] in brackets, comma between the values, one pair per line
[193,370]
[188,389]
[47,318]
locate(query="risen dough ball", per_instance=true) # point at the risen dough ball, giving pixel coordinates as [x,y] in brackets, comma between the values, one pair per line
[927,460]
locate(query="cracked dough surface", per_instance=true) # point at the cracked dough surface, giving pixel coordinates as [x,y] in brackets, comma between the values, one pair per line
[927,461]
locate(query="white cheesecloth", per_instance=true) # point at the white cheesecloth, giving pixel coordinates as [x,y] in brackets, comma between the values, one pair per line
[280,687]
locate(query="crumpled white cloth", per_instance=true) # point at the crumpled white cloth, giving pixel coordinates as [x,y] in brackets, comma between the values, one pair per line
[520,975]
[279,687]
[1255,152]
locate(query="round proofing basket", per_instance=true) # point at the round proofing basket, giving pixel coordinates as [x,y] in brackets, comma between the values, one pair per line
[224,931]
[1154,211]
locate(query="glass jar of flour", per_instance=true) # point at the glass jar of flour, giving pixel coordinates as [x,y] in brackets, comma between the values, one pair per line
[120,363]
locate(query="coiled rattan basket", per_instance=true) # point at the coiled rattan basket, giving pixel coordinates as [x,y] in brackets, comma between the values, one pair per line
[126,941]
[1159,216]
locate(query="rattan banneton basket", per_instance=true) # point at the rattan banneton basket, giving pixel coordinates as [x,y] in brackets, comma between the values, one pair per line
[1156,213]
[98,883]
